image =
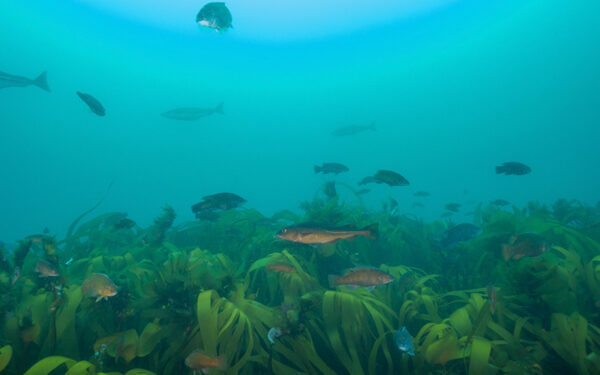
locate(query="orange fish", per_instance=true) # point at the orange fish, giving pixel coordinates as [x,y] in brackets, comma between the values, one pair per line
[315,234]
[281,267]
[525,245]
[369,277]
[45,269]
[198,360]
[99,285]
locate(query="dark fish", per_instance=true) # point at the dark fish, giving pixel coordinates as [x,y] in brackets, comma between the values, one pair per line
[93,103]
[8,80]
[403,341]
[214,15]
[367,180]
[500,202]
[389,177]
[208,215]
[45,269]
[418,204]
[459,233]
[421,194]
[124,223]
[369,277]
[352,129]
[191,114]
[446,214]
[513,167]
[336,168]
[310,233]
[525,245]
[219,201]
[329,190]
[454,207]
[363,191]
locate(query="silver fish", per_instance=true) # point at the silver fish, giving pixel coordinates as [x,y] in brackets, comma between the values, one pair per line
[191,114]
[9,80]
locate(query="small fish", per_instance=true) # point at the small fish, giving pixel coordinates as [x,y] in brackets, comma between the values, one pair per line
[199,360]
[16,275]
[369,277]
[367,180]
[446,214]
[93,103]
[390,177]
[273,334]
[99,285]
[514,168]
[418,204]
[215,16]
[9,80]
[192,114]
[309,233]
[454,207]
[45,269]
[363,191]
[352,130]
[500,202]
[69,261]
[281,267]
[329,190]
[404,342]
[491,292]
[336,168]
[421,194]
[124,223]
[459,233]
[525,245]
[219,201]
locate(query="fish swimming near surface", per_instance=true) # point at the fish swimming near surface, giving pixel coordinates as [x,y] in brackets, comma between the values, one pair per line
[281,267]
[310,233]
[421,194]
[9,80]
[352,130]
[219,201]
[500,202]
[403,341]
[514,168]
[525,245]
[199,360]
[100,286]
[192,114]
[390,177]
[369,277]
[93,103]
[459,233]
[215,16]
[336,168]
[45,269]
[454,207]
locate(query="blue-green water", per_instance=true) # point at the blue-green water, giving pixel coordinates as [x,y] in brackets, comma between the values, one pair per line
[455,88]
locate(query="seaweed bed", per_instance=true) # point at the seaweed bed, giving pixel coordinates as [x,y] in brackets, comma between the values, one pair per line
[204,285]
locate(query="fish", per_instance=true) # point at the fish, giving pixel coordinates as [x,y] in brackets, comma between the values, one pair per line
[16,275]
[390,177]
[45,269]
[352,130]
[403,341]
[446,214]
[208,215]
[525,245]
[513,168]
[500,202]
[199,360]
[99,285]
[9,80]
[310,233]
[68,262]
[329,190]
[273,334]
[336,168]
[459,233]
[363,191]
[192,114]
[93,103]
[418,204]
[219,201]
[353,278]
[367,180]
[454,207]
[124,223]
[215,16]
[492,296]
[281,267]
[421,194]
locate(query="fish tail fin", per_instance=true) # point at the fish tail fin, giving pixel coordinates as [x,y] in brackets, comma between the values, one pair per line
[317,169]
[372,231]
[372,126]
[219,108]
[41,82]
[332,281]
[221,363]
[505,252]
[499,169]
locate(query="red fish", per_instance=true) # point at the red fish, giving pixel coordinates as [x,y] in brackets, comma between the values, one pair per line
[525,245]
[198,360]
[281,267]
[369,277]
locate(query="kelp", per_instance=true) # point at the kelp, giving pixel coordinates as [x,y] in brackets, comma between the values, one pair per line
[5,356]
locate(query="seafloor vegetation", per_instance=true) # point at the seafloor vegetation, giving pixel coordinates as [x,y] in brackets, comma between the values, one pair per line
[205,285]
